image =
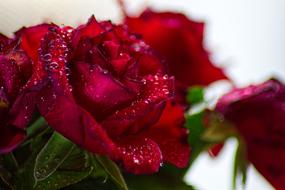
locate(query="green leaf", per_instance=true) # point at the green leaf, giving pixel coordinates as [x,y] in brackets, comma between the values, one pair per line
[195,124]
[240,164]
[5,177]
[203,135]
[113,171]
[33,128]
[196,127]
[165,179]
[51,156]
[37,128]
[24,179]
[72,170]
[195,95]
[60,179]
[93,184]
[10,162]
[98,171]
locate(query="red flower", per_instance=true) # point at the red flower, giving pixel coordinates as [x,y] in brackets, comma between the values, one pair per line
[103,88]
[16,107]
[258,113]
[180,41]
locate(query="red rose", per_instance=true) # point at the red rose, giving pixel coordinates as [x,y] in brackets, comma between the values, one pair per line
[103,88]
[16,107]
[258,114]
[180,41]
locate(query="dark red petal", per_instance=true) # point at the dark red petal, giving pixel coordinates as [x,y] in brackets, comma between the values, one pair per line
[3,38]
[180,41]
[31,37]
[22,110]
[11,137]
[9,77]
[80,127]
[140,155]
[89,30]
[170,135]
[121,63]
[24,64]
[3,41]
[268,92]
[150,65]
[95,90]
[57,104]
[111,48]
[139,114]
[258,113]
[4,105]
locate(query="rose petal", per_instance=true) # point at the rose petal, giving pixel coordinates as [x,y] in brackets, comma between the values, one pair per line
[31,37]
[140,156]
[138,115]
[57,102]
[179,41]
[80,127]
[89,30]
[22,110]
[258,113]
[22,61]
[9,77]
[3,41]
[170,135]
[11,137]
[150,65]
[95,90]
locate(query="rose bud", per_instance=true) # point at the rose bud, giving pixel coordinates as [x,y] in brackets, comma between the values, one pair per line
[179,41]
[104,89]
[258,114]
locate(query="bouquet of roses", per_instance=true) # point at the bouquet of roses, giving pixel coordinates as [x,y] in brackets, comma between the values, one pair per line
[105,106]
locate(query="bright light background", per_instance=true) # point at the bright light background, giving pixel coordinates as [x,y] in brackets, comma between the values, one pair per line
[247,37]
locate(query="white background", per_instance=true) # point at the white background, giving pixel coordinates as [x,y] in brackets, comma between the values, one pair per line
[247,37]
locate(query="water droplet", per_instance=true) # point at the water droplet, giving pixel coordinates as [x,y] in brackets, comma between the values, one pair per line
[143,81]
[166,91]
[47,57]
[165,77]
[146,101]
[52,65]
[136,161]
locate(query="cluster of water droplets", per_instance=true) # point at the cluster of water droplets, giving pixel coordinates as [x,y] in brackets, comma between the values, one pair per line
[141,155]
[156,88]
[159,87]
[55,58]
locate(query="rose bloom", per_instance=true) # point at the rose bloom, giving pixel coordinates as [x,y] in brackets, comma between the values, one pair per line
[15,111]
[104,89]
[179,41]
[258,114]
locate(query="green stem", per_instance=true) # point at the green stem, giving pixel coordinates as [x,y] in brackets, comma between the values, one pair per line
[34,129]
